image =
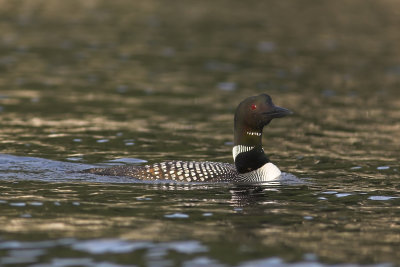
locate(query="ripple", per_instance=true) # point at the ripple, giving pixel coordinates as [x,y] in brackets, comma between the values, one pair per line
[127,160]
[202,261]
[110,246]
[343,194]
[74,158]
[381,198]
[35,203]
[187,247]
[35,244]
[329,192]
[18,204]
[383,168]
[274,261]
[227,86]
[62,262]
[101,246]
[177,216]
[143,198]
[356,168]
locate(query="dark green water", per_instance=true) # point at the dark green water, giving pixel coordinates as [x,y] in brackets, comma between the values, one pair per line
[84,83]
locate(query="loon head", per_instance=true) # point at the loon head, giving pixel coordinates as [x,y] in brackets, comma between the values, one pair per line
[251,116]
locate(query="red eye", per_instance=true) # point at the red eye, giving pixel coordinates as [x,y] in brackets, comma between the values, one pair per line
[253,106]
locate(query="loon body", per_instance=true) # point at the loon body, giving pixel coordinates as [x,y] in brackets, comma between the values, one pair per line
[251,163]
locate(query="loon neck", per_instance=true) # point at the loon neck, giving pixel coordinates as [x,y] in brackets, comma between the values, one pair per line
[246,137]
[248,152]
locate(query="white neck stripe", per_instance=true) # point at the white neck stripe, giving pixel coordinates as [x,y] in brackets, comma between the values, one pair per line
[240,149]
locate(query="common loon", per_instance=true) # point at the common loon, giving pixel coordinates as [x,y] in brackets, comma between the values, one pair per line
[251,163]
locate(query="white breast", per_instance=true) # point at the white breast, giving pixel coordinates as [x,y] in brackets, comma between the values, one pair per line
[268,172]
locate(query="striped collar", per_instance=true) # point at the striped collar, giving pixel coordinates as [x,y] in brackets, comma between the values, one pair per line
[254,133]
[240,149]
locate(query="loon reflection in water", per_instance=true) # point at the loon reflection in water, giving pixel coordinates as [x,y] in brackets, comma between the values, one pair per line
[251,163]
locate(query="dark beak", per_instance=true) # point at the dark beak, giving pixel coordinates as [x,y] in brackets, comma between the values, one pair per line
[279,112]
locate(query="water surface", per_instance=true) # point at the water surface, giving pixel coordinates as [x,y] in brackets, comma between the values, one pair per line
[103,83]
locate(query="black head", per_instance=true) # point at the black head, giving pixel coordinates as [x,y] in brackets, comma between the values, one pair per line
[252,115]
